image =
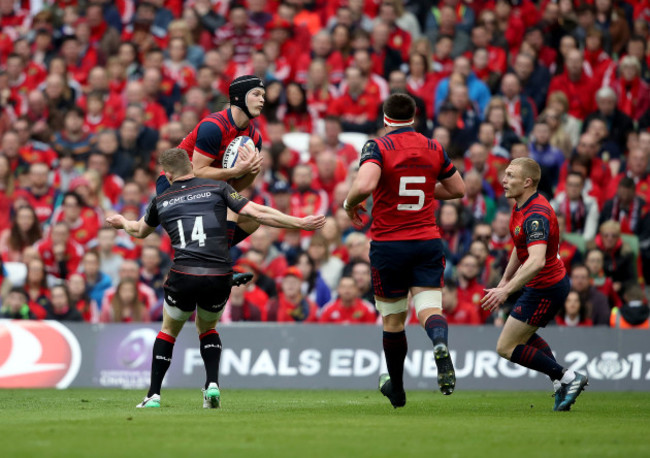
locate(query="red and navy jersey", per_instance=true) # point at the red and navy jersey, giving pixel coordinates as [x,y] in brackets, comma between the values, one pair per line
[404,201]
[535,222]
[213,134]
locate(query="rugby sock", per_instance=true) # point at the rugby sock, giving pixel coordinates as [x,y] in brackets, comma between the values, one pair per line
[436,327]
[539,343]
[162,358]
[211,354]
[532,358]
[395,349]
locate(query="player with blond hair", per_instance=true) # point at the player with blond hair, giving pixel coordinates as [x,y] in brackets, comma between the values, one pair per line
[536,269]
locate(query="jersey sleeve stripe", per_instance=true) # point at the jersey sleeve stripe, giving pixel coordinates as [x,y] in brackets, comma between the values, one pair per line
[392,145]
[382,141]
[537,242]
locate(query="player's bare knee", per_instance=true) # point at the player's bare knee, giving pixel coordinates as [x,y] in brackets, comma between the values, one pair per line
[504,349]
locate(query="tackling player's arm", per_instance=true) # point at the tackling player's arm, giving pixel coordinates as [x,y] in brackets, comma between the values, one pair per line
[365,182]
[138,229]
[269,216]
[275,218]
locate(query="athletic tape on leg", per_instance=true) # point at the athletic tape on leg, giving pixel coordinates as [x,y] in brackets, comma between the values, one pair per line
[175,313]
[391,308]
[427,300]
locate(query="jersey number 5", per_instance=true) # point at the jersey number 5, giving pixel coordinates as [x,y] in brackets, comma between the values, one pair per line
[403,191]
[197,232]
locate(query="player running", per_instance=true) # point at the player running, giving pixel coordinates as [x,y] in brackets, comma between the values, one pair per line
[206,144]
[193,212]
[535,268]
[406,172]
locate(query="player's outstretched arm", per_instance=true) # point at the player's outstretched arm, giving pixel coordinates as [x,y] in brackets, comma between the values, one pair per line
[138,229]
[450,188]
[275,218]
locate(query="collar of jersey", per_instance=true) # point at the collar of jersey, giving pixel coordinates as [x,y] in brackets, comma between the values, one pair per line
[401,130]
[530,199]
[232,121]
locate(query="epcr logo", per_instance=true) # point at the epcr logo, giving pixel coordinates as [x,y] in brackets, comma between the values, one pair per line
[136,348]
[609,367]
[37,354]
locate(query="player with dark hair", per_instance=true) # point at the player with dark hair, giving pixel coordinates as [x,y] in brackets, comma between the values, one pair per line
[536,269]
[193,212]
[406,172]
[206,145]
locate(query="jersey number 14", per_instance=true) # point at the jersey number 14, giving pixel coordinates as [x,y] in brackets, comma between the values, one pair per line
[403,191]
[197,232]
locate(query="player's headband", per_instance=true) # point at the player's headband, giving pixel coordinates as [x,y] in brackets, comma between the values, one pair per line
[397,122]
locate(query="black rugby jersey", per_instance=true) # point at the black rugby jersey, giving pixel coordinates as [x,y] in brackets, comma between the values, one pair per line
[193,212]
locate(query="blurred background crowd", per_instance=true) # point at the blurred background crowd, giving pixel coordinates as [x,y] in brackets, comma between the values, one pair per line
[91,92]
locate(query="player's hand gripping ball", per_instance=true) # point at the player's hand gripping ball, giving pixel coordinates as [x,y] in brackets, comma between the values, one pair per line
[231,155]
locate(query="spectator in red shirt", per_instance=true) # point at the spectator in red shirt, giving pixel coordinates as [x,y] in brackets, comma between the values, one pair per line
[595,262]
[497,60]
[574,312]
[79,61]
[344,151]
[636,168]
[273,262]
[579,88]
[357,107]
[320,92]
[242,32]
[456,311]
[399,39]
[470,290]
[585,160]
[178,67]
[112,184]
[293,307]
[294,113]
[125,306]
[83,221]
[130,271]
[19,81]
[38,193]
[348,308]
[385,59]
[633,93]
[60,252]
[321,48]
[32,151]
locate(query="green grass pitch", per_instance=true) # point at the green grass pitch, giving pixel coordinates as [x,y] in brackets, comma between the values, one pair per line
[310,424]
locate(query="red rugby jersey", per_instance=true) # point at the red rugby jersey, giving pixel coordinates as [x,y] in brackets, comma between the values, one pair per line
[535,222]
[213,134]
[404,201]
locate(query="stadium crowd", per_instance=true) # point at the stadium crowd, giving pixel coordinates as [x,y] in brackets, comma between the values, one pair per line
[91,92]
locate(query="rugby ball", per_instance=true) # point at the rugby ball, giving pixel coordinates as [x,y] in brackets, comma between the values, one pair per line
[231,154]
